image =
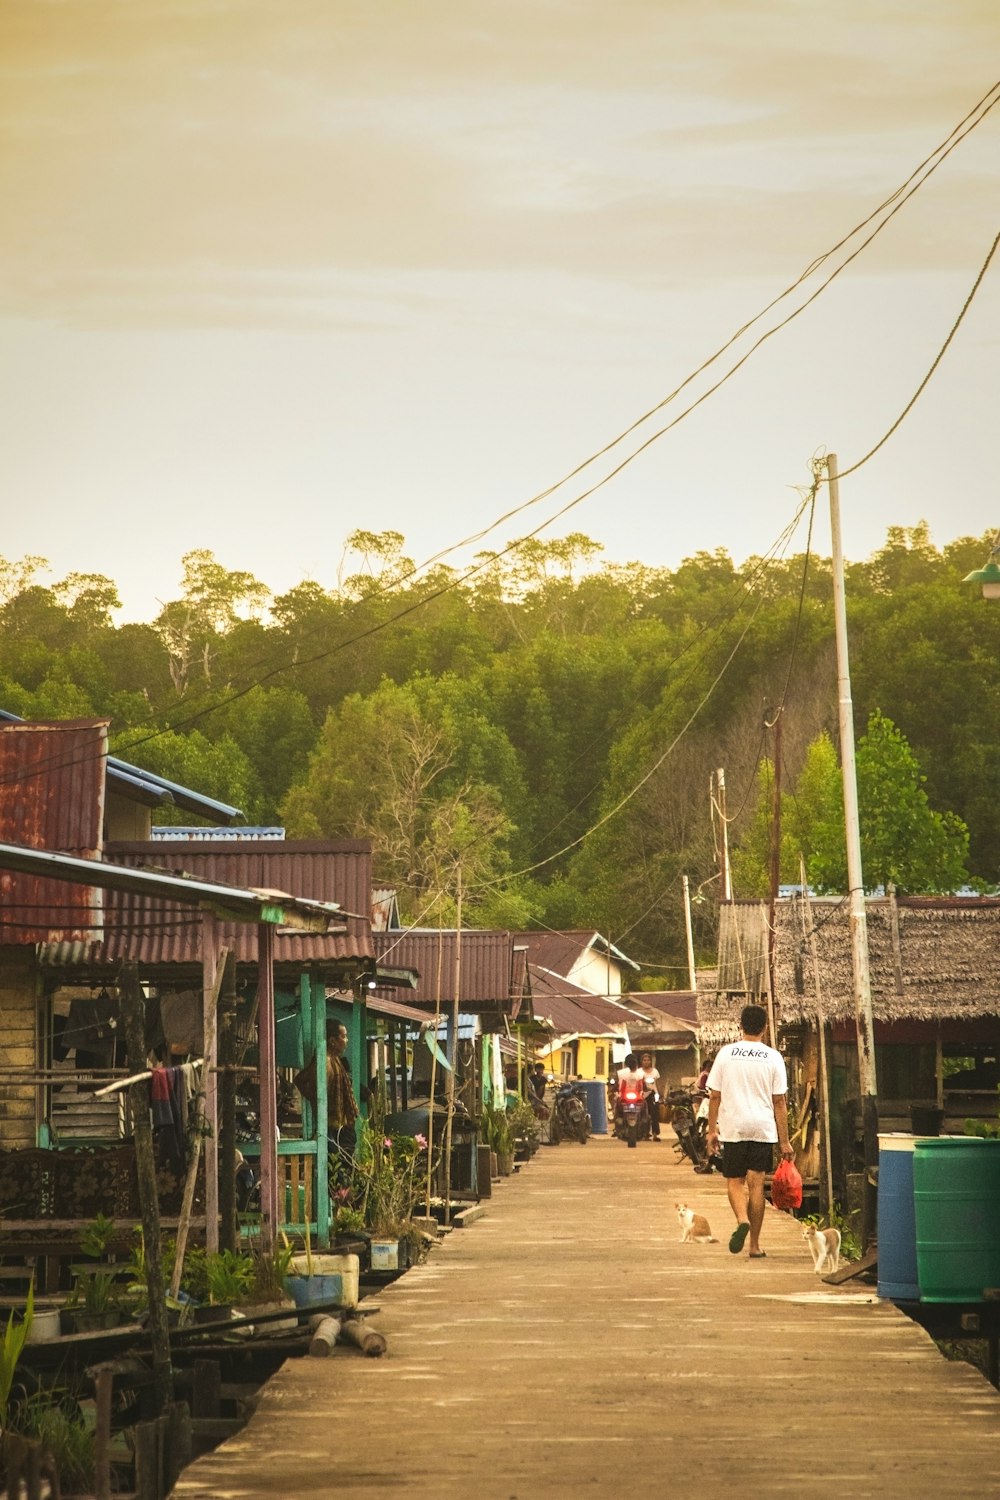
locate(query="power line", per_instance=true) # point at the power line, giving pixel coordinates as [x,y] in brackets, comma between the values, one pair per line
[901,196]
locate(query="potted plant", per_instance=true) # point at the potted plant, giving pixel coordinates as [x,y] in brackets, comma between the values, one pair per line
[227,1280]
[495,1128]
[387,1179]
[94,1302]
[266,1291]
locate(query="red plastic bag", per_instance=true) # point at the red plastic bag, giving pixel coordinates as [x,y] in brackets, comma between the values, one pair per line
[786,1187]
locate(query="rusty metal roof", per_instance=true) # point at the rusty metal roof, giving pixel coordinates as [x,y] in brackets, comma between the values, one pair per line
[137,784]
[52,798]
[491,975]
[162,933]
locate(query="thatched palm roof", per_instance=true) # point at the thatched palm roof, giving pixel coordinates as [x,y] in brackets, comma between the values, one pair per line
[931,958]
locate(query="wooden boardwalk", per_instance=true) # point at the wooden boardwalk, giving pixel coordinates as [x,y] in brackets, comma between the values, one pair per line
[566,1344]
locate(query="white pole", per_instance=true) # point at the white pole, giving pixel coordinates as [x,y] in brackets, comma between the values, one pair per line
[727,884]
[692,976]
[855,880]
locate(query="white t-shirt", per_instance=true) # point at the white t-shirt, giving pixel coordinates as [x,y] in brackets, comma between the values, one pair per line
[747,1074]
[651,1079]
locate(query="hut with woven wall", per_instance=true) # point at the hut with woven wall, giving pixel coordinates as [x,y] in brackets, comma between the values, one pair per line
[935,983]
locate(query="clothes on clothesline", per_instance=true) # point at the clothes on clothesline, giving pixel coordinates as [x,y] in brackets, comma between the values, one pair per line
[171,1092]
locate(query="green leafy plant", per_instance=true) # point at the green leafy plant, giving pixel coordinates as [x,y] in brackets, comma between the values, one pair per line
[522,1122]
[228,1276]
[63,1432]
[97,1236]
[495,1128]
[14,1341]
[386,1177]
[349,1220]
[268,1271]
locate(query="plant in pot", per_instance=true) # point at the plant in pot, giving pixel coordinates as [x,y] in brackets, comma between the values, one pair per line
[495,1128]
[524,1130]
[227,1279]
[95,1301]
[388,1173]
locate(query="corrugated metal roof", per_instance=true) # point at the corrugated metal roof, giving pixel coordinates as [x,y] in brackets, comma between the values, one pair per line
[158,932]
[51,798]
[559,951]
[487,969]
[144,786]
[381,1005]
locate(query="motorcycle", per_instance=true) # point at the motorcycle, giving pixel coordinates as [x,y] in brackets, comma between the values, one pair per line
[690,1132]
[631,1119]
[570,1116]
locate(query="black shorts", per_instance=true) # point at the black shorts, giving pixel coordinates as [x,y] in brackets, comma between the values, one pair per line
[741,1157]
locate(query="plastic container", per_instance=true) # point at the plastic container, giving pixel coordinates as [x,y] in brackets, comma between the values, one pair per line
[897,1226]
[334,1278]
[385,1255]
[956,1196]
[44,1325]
[597,1105]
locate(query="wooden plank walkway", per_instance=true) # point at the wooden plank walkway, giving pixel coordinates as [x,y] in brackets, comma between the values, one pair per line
[566,1344]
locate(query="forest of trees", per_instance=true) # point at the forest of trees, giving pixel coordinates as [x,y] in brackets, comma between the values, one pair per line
[547,728]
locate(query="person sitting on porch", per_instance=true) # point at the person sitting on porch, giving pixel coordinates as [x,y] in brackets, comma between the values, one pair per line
[342,1107]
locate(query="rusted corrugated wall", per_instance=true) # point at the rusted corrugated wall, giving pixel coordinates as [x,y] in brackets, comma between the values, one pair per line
[52,787]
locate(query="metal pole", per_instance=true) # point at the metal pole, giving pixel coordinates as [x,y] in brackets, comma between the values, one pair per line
[856,889]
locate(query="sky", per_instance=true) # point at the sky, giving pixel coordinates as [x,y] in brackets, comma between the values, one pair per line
[275,270]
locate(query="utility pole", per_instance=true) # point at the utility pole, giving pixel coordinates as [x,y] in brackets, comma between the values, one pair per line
[720,804]
[856,889]
[775,861]
[692,976]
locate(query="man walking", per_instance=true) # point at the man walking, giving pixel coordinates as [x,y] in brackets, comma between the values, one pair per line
[748,1110]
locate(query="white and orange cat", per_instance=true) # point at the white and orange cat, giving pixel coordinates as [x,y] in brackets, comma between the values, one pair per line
[694,1227]
[824,1247]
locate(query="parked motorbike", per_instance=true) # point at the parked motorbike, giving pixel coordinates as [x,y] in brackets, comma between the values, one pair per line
[631,1119]
[690,1132]
[570,1115]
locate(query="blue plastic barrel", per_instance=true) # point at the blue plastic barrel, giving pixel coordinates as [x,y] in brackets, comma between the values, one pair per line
[956,1195]
[897,1227]
[597,1105]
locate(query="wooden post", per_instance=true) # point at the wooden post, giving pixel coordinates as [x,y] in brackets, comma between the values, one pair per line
[227,1108]
[268,1089]
[324,1337]
[103,1382]
[354,1331]
[207,1072]
[324,1213]
[824,1078]
[453,1059]
[133,1010]
[212,970]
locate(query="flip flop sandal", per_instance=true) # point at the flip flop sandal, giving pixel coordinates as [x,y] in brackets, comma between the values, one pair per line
[738,1238]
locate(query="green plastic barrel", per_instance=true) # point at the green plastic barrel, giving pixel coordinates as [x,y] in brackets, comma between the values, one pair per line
[956,1199]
